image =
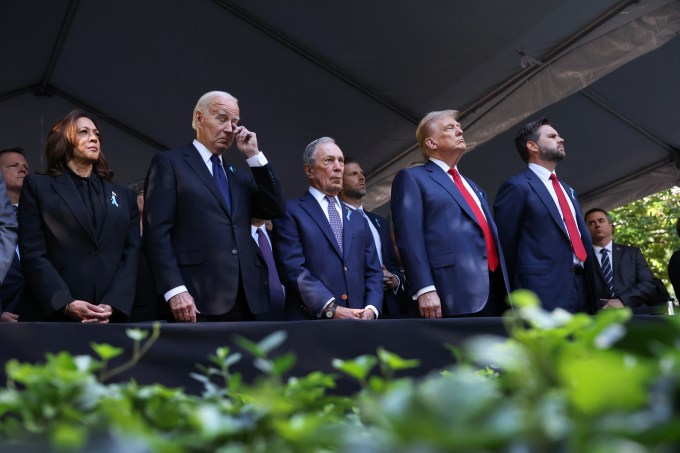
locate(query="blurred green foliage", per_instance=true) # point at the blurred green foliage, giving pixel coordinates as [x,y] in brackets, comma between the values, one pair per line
[559,383]
[649,223]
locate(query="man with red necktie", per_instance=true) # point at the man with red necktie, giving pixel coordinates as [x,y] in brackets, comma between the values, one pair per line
[446,236]
[545,240]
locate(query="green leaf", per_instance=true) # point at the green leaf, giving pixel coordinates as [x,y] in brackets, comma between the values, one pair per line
[68,437]
[357,368]
[105,351]
[249,346]
[272,341]
[394,362]
[137,334]
[284,363]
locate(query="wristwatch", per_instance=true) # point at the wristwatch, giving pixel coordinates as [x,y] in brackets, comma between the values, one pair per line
[329,311]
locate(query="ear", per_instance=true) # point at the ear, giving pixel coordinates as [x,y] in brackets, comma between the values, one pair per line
[308,171]
[199,118]
[532,146]
[430,143]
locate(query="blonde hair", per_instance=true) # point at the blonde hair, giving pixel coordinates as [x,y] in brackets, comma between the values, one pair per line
[424,129]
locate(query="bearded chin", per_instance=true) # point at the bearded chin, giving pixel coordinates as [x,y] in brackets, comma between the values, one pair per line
[552,155]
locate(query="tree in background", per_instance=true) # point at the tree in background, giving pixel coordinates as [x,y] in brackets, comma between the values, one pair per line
[649,223]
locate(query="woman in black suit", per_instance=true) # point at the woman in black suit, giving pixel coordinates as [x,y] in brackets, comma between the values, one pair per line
[79,232]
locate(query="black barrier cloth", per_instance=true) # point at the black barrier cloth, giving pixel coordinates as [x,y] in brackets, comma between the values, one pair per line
[315,344]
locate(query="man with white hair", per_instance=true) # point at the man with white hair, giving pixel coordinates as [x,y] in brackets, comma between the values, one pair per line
[197,219]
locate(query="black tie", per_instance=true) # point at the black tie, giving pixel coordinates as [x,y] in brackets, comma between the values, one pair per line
[221,179]
[607,272]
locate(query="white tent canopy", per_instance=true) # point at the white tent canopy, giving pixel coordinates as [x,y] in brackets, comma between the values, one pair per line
[605,72]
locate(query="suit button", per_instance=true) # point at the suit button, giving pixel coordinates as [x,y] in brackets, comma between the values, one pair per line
[343,297]
[95,252]
[234,252]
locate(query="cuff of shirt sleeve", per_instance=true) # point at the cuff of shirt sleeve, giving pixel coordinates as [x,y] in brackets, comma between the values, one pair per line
[395,290]
[375,310]
[427,289]
[174,292]
[258,160]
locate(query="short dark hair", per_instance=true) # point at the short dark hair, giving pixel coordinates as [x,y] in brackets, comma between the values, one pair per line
[61,142]
[527,133]
[591,211]
[16,149]
[350,160]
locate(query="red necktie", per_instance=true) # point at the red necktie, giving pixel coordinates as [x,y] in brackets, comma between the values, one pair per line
[491,253]
[574,235]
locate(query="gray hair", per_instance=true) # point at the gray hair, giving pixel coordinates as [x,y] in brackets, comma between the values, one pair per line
[204,102]
[308,155]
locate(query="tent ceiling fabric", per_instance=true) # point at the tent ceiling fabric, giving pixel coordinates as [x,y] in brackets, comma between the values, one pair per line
[361,72]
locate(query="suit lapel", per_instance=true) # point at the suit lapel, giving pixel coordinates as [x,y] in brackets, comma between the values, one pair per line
[547,199]
[193,158]
[66,189]
[312,207]
[617,257]
[443,179]
[113,202]
[598,268]
[348,216]
[234,188]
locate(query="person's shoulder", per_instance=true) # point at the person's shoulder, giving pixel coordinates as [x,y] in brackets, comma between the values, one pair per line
[626,248]
[38,178]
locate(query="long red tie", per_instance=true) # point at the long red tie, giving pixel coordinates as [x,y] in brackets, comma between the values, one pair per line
[574,236]
[491,253]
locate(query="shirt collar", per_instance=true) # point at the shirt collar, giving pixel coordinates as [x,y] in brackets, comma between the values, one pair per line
[441,164]
[608,247]
[204,152]
[319,195]
[541,172]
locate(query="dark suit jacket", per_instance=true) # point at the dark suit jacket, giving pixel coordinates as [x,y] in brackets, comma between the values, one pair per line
[311,266]
[537,248]
[674,272]
[633,281]
[391,303]
[191,239]
[12,289]
[64,259]
[439,239]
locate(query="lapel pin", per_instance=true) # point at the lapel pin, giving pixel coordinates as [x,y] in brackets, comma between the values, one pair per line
[573,195]
[114,202]
[231,169]
[349,213]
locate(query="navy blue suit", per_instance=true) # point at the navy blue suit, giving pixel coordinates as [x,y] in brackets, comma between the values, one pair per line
[537,248]
[440,241]
[311,266]
[391,304]
[191,238]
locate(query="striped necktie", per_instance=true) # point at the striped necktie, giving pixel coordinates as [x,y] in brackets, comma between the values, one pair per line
[607,271]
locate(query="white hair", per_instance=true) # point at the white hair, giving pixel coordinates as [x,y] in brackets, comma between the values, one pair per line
[204,102]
